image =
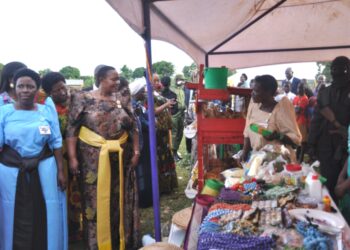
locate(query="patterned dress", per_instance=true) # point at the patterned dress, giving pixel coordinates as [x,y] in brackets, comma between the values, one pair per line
[165,159]
[301,103]
[73,189]
[110,120]
[5,98]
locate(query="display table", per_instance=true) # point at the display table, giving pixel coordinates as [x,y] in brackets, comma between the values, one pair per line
[214,228]
[344,241]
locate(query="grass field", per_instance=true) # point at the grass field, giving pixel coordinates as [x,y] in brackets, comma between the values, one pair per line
[169,204]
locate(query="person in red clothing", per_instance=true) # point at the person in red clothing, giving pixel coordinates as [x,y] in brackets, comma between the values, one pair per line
[301,103]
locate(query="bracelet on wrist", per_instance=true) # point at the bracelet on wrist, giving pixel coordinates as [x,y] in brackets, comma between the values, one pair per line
[281,137]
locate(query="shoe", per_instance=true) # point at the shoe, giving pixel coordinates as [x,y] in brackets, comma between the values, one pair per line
[179,155]
[176,158]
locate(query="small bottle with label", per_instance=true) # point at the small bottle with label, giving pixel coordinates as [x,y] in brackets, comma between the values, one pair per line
[327,203]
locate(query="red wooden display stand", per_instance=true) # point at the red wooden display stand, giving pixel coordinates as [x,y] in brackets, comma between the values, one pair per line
[215,130]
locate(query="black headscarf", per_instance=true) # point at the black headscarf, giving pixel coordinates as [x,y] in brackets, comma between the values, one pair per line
[27,72]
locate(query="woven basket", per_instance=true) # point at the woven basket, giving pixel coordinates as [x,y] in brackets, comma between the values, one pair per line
[182,218]
[161,246]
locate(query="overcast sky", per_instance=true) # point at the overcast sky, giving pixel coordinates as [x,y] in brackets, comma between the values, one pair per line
[84,33]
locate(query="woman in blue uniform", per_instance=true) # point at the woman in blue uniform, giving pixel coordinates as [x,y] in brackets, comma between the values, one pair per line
[32,201]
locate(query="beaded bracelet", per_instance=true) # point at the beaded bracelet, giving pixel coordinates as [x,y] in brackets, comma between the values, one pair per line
[229,206]
[228,241]
[313,238]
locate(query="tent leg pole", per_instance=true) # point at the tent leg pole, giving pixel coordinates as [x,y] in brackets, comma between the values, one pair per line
[151,120]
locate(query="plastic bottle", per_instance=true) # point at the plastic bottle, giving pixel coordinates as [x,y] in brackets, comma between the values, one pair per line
[314,187]
[147,240]
[326,203]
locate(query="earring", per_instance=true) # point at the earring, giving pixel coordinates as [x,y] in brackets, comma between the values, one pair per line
[12,85]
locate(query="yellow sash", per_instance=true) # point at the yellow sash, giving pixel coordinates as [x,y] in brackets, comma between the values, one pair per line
[104,186]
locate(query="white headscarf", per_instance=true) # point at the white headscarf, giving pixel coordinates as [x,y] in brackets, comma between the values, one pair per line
[137,85]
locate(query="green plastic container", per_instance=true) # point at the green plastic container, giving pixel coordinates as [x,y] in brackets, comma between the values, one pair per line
[215,78]
[212,187]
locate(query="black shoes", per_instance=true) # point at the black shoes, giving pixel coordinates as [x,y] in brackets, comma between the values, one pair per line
[176,156]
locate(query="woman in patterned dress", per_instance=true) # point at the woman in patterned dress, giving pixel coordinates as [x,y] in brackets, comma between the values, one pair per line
[165,160]
[104,116]
[54,85]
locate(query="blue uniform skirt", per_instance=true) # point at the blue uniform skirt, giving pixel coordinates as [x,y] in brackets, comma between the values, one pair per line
[55,199]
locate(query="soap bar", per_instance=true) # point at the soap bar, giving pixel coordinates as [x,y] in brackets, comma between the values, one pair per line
[260,130]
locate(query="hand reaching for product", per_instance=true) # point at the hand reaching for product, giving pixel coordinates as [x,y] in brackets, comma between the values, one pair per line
[171,102]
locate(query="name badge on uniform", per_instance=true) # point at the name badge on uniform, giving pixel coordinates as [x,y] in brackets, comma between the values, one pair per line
[119,106]
[44,130]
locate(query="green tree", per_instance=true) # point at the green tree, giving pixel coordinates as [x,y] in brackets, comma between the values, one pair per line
[126,72]
[88,81]
[324,68]
[44,72]
[164,68]
[70,72]
[1,67]
[187,70]
[138,72]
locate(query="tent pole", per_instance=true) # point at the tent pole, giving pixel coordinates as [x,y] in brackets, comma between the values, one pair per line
[151,118]
[280,50]
[206,60]
[247,26]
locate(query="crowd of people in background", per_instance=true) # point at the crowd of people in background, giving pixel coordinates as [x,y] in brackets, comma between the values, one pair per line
[315,122]
[94,144]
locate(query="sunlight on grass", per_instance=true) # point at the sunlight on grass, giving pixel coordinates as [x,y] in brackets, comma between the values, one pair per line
[172,203]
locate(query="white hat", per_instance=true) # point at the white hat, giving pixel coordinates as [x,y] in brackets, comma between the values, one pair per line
[137,85]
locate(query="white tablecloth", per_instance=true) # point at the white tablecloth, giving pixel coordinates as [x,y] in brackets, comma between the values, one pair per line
[346,231]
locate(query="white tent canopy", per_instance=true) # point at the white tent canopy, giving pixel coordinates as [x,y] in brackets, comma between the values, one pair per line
[246,33]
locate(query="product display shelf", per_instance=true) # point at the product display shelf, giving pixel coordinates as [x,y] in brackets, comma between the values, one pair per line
[215,130]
